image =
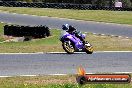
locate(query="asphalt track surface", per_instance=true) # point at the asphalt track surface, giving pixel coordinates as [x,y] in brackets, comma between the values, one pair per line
[42,64]
[86,26]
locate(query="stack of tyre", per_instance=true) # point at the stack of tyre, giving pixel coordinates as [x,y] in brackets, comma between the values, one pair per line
[20,31]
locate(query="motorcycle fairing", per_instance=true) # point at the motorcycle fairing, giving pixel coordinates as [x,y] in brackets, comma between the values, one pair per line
[78,43]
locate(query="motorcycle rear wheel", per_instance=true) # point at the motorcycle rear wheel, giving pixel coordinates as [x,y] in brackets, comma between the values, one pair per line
[68,47]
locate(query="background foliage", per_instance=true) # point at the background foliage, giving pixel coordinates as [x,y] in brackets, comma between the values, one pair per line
[126,3]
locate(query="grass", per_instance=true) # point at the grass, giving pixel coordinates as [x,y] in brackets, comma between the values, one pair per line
[108,43]
[36,45]
[68,81]
[52,43]
[1,32]
[120,17]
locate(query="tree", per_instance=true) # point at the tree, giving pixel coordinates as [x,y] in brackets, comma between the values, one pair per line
[127,3]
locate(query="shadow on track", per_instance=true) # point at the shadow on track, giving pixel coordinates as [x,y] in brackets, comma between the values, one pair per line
[64,53]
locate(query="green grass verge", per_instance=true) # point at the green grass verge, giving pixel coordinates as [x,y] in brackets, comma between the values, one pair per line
[52,43]
[1,32]
[121,17]
[52,82]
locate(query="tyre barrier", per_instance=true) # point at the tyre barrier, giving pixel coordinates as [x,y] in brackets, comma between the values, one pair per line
[33,31]
[61,6]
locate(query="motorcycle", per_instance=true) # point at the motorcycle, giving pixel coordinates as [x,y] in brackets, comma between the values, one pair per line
[71,43]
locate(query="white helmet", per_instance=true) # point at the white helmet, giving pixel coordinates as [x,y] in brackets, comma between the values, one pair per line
[65,26]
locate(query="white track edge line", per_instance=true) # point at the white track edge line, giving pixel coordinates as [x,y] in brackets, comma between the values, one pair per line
[22,53]
[111,51]
[65,52]
[61,74]
[93,52]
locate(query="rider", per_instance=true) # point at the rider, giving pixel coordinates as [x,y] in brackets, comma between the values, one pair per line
[71,30]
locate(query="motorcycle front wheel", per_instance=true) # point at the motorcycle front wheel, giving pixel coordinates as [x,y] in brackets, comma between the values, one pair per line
[68,47]
[89,49]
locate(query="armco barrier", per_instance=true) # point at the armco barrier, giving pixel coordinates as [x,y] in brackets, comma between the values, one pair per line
[20,31]
[60,6]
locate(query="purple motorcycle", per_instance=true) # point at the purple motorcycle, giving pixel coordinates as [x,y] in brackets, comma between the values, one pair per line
[71,43]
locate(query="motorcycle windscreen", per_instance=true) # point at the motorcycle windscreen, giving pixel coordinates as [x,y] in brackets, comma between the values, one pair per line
[63,34]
